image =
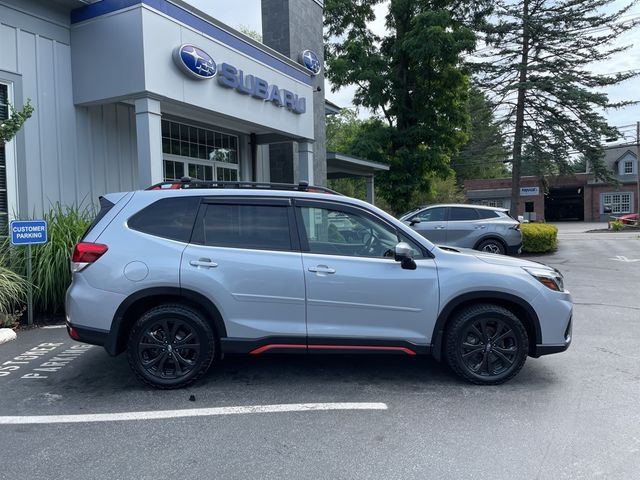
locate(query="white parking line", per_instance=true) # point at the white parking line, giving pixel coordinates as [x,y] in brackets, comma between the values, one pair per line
[54,326]
[192,412]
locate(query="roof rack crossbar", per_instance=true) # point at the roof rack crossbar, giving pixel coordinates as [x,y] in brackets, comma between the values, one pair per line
[188,182]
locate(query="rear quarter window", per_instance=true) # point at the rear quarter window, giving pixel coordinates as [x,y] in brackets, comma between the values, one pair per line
[170,218]
[482,213]
[105,206]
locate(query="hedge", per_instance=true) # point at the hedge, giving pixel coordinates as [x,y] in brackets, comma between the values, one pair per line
[539,237]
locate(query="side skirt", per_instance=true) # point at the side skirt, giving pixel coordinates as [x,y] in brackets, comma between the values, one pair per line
[321,345]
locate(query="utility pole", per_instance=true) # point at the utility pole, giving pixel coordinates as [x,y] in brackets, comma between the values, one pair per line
[520,104]
[638,171]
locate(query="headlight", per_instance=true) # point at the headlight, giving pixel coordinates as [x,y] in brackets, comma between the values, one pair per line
[550,278]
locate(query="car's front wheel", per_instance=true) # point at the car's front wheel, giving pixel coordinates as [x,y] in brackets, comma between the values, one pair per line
[170,346]
[486,344]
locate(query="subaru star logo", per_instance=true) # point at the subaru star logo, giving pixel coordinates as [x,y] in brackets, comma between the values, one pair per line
[194,61]
[310,60]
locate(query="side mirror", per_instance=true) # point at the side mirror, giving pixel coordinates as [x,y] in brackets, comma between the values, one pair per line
[404,255]
[413,221]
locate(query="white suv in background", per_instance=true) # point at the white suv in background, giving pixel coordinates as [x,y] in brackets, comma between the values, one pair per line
[488,229]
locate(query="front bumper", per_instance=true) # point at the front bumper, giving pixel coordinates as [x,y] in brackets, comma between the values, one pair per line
[549,349]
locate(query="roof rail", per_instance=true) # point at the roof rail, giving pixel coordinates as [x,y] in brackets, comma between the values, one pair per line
[188,182]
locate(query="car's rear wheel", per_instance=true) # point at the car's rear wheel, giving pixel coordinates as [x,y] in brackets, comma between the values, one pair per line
[486,344]
[492,246]
[170,346]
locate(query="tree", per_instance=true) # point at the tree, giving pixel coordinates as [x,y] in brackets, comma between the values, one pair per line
[538,70]
[484,154]
[10,126]
[249,32]
[412,78]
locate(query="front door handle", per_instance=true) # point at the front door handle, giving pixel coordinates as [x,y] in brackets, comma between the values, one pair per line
[322,269]
[440,227]
[203,262]
[481,227]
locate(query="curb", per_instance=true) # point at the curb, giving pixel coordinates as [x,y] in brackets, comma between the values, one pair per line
[6,335]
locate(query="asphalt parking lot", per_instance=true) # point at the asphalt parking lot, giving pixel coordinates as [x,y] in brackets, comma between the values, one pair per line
[574,415]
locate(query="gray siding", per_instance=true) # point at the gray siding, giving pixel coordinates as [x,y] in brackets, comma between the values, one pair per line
[68,154]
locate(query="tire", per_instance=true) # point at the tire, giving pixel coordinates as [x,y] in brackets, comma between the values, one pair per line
[492,246]
[170,346]
[486,344]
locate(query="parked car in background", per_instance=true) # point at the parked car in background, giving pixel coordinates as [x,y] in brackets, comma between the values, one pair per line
[629,219]
[488,229]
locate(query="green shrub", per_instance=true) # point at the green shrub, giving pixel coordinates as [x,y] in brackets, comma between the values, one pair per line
[13,291]
[539,237]
[616,225]
[51,261]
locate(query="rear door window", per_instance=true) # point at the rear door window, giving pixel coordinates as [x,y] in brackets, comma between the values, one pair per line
[462,214]
[170,218]
[260,227]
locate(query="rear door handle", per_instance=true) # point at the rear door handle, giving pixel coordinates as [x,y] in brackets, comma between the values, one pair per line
[480,227]
[440,227]
[322,269]
[203,262]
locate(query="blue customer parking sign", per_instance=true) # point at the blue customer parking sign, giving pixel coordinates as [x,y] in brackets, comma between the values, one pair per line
[29,232]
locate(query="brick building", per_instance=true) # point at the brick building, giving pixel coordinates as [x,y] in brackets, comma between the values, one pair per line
[575,197]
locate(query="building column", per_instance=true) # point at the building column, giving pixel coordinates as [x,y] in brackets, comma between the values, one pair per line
[371,193]
[149,142]
[305,162]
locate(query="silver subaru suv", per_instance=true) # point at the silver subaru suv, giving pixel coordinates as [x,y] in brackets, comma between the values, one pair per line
[179,274]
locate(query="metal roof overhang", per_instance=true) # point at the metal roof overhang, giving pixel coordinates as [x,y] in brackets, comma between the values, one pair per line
[340,165]
[486,194]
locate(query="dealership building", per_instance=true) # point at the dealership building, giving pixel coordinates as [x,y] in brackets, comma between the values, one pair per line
[128,93]
[575,197]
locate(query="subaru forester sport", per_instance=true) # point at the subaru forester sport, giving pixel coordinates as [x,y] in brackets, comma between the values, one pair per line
[184,272]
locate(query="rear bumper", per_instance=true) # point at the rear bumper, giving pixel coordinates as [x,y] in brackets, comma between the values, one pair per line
[87,335]
[514,249]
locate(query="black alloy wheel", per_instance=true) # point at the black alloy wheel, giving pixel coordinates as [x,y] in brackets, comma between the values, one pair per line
[170,346]
[486,344]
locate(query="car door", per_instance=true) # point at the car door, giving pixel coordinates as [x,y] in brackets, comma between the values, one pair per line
[357,294]
[432,224]
[245,258]
[464,227]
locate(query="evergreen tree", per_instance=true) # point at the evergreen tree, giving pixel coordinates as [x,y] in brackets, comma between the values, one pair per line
[539,70]
[412,78]
[483,156]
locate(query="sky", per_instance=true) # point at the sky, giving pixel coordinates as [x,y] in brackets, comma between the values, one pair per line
[247,13]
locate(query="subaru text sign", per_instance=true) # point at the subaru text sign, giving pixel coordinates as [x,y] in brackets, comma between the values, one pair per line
[529,191]
[194,62]
[198,64]
[30,232]
[231,77]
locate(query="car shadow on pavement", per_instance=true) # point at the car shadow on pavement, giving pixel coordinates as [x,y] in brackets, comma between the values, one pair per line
[285,378]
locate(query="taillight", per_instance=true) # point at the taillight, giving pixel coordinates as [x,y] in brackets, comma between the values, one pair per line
[84,254]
